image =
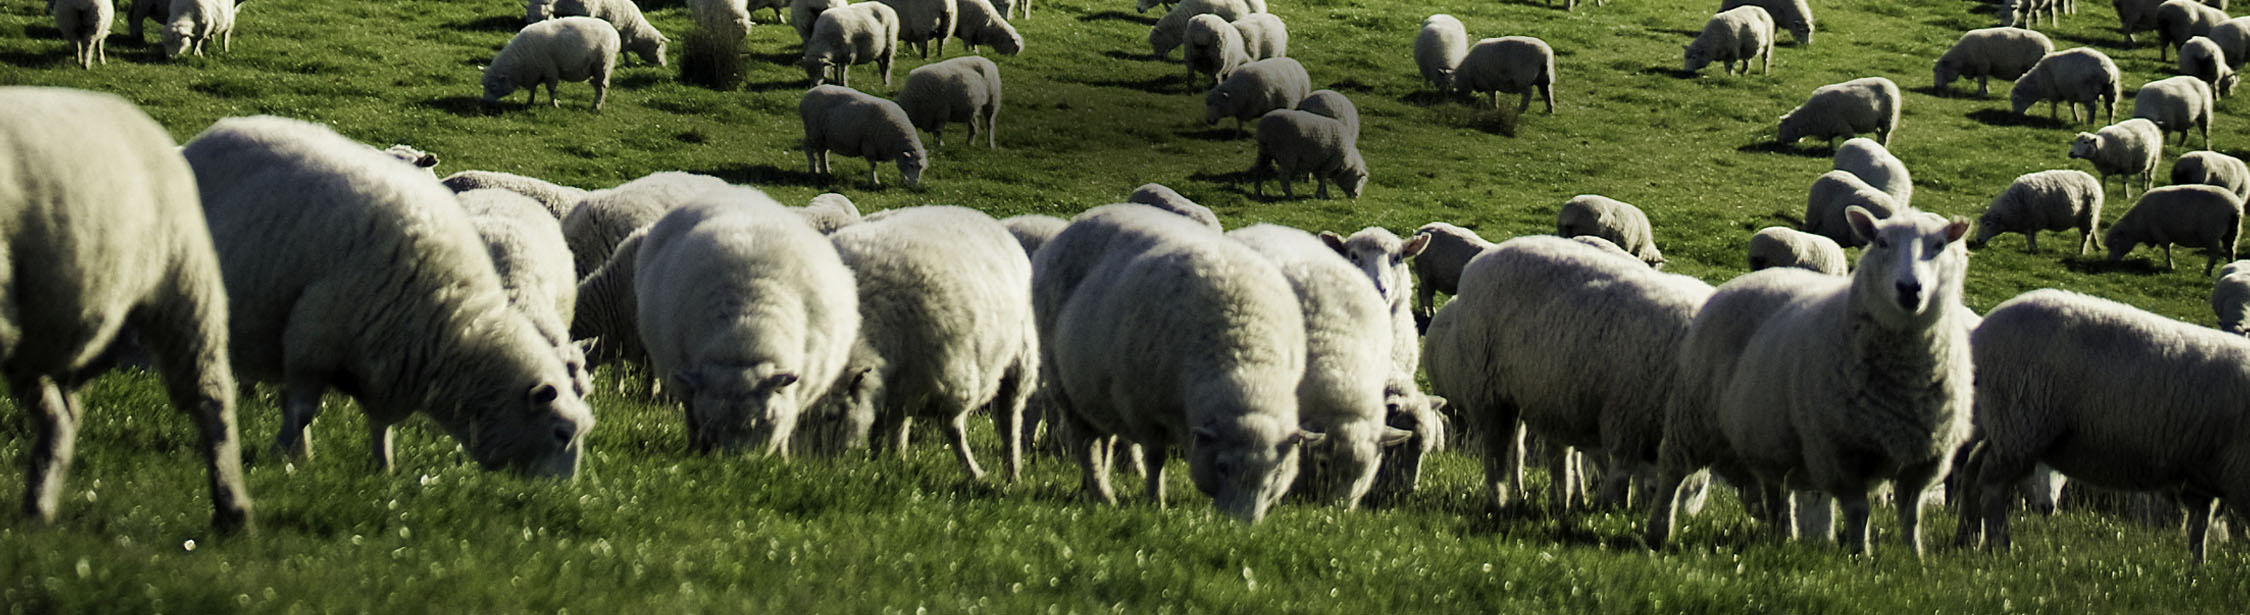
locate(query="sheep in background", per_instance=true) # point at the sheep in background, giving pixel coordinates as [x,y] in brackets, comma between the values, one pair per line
[922,21]
[830,212]
[2204,60]
[143,11]
[1213,47]
[1383,257]
[2079,76]
[1292,144]
[732,17]
[2180,20]
[528,252]
[1986,53]
[1171,30]
[1264,36]
[2200,216]
[606,316]
[1333,105]
[2025,13]
[963,89]
[2044,201]
[1161,197]
[2128,148]
[1867,104]
[1617,221]
[1834,192]
[2136,16]
[1439,265]
[192,23]
[1256,88]
[1875,165]
[2213,169]
[1792,15]
[2233,39]
[856,124]
[420,159]
[1742,33]
[1512,64]
[849,35]
[604,218]
[804,14]
[1440,47]
[2178,104]
[558,199]
[85,25]
[549,53]
[981,24]
[2230,302]
[1033,230]
[1776,246]
[633,30]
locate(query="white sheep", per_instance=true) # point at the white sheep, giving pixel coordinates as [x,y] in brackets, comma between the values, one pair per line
[2025,13]
[558,199]
[386,292]
[534,263]
[2044,201]
[963,89]
[607,317]
[804,14]
[853,123]
[2233,39]
[1742,33]
[749,317]
[830,212]
[921,22]
[85,25]
[1033,230]
[2215,169]
[1776,246]
[2128,148]
[2204,60]
[1171,30]
[2195,215]
[1512,64]
[1875,165]
[2177,104]
[1439,265]
[1292,144]
[2180,20]
[1617,221]
[1834,192]
[2079,76]
[2230,302]
[602,220]
[1263,35]
[730,17]
[1213,47]
[633,30]
[1383,257]
[1333,105]
[858,33]
[101,228]
[1438,48]
[1987,53]
[550,52]
[1867,104]
[981,24]
[1162,197]
[1256,88]
[192,23]
[1792,15]
[2136,16]
[420,159]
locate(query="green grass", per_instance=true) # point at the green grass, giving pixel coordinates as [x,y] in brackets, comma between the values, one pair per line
[1088,117]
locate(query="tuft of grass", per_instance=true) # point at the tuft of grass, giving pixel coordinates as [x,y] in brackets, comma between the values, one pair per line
[713,60]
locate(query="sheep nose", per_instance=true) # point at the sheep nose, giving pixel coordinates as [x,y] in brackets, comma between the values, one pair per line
[1909,295]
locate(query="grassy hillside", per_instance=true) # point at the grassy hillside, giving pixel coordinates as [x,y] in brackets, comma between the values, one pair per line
[1088,117]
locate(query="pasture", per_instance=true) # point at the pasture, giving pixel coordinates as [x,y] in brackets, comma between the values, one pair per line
[1088,116]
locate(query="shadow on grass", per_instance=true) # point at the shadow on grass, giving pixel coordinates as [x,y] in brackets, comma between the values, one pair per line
[473,106]
[849,172]
[796,85]
[1167,83]
[494,23]
[1132,56]
[1426,97]
[2099,263]
[1481,116]
[2003,117]
[779,58]
[1679,31]
[1218,134]
[1666,71]
[1763,146]
[1146,20]
[52,56]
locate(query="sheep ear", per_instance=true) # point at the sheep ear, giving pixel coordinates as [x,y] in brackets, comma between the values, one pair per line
[544,394]
[1393,436]
[1957,229]
[1334,241]
[426,161]
[780,380]
[1863,223]
[1436,403]
[1306,438]
[1414,246]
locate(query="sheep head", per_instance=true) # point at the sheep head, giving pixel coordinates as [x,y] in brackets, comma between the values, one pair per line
[1911,271]
[1246,463]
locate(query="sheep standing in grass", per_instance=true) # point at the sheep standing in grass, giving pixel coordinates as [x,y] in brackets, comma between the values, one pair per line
[2203,59]
[1775,246]
[2213,169]
[606,315]
[1439,265]
[386,294]
[2025,13]
[1440,47]
[2136,16]
[2079,76]
[1834,192]
[1292,144]
[1264,36]
[192,23]
[854,34]
[2180,20]
[981,24]
[1742,33]
[1333,105]
[2233,39]
[2045,201]
[963,89]
[549,53]
[1213,48]
[1161,197]
[1867,104]
[852,123]
[1875,165]
[634,31]
[2128,148]
[1617,221]
[1512,64]
[2230,302]
[1256,88]
[921,22]
[558,199]
[603,220]
[1987,53]
[2199,216]
[85,25]
[101,227]
[1171,30]
[527,250]
[1792,15]
[804,14]
[2178,104]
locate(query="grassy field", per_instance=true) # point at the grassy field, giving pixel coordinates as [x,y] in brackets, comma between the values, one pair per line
[1088,117]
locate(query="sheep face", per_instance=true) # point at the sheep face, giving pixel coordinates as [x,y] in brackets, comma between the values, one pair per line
[178,37]
[497,86]
[910,166]
[1161,42]
[816,70]
[2025,93]
[651,50]
[1215,106]
[538,430]
[1912,267]
[735,408]
[1382,256]
[1793,127]
[1944,74]
[1696,58]
[2225,86]
[1011,44]
[2085,145]
[1246,464]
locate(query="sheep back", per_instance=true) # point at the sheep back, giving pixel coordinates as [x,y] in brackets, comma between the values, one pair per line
[604,218]
[2194,215]
[1263,35]
[1440,47]
[1617,221]
[1867,104]
[921,22]
[558,199]
[2213,169]
[2045,201]
[1171,30]
[1831,195]
[1776,246]
[553,51]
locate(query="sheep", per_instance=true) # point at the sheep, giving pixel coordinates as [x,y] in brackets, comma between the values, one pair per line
[2079,76]
[2233,39]
[829,212]
[777,5]
[2232,268]
[1845,109]
[1875,165]
[963,89]
[2176,104]
[600,222]
[1512,64]
[1383,257]
[2144,402]
[2230,302]
[1213,47]
[1292,144]
[1347,362]
[1008,8]
[2128,148]
[1161,197]
[1776,246]
[922,21]
[1033,230]
[2180,20]
[1611,219]
[1986,53]
[804,14]
[558,199]
[85,25]
[1439,48]
[2136,16]
[1333,105]
[854,34]
[2215,169]
[606,315]
[1171,30]
[192,23]
[2207,217]
[1792,15]
[1256,88]
[141,11]
[2044,201]
[1439,265]
[2025,13]
[634,31]
[856,124]
[534,263]
[102,232]
[981,24]
[550,52]
[732,17]
[2204,60]
[387,294]
[945,327]
[1264,36]
[1742,33]
[1831,194]
[420,159]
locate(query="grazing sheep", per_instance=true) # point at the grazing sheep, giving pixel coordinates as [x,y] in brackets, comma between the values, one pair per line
[2233,39]
[2079,76]
[1776,246]
[634,31]
[1439,264]
[830,212]
[2044,201]
[2214,169]
[604,218]
[2195,215]
[1171,30]
[558,199]
[1845,109]
[550,52]
[101,228]
[606,315]
[1213,48]
[1831,194]
[1333,105]
[2128,148]
[1292,144]
[2180,20]
[85,25]
[804,14]
[2204,60]
[854,34]
[856,124]
[1875,165]
[1264,36]
[1792,15]
[387,295]
[923,21]
[2136,16]
[1985,53]
[1611,219]
[2178,104]
[1382,256]
[528,251]
[2230,301]
[1512,64]
[963,89]
[1440,47]
[1256,88]
[981,24]
[192,23]
[1033,230]
[1161,197]
[1742,33]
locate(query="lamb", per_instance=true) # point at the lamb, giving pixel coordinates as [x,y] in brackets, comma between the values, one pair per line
[558,199]
[528,252]
[922,21]
[1213,47]
[2207,217]
[387,293]
[2233,39]
[1440,47]
[2215,169]
[1171,30]
[2136,16]
[1161,197]
[604,218]
[1875,165]
[1264,36]
[1439,265]
[1792,15]
[1776,246]
[1512,64]
[633,30]
[1033,230]
[2079,76]
[1845,109]
[85,25]
[194,22]
[981,24]
[2044,201]
[1985,53]
[1382,256]
[1256,88]
[1292,144]
[804,14]
[2180,20]
[829,212]
[1742,33]
[2128,148]
[103,233]
[550,52]
[1333,105]
[2177,104]
[2204,60]
[1831,194]
[856,124]
[2230,301]
[963,89]
[1611,219]
[854,34]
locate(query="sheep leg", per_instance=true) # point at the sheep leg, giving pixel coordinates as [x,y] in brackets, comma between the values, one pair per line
[1913,488]
[992,127]
[1562,479]
[1811,515]
[300,403]
[1008,410]
[1092,454]
[56,420]
[601,91]
[1664,508]
[957,435]
[552,101]
[379,442]
[1525,104]
[207,397]
[871,178]
[2167,256]
[2031,239]
[1320,183]
[1152,456]
[1502,455]
[2199,508]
